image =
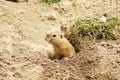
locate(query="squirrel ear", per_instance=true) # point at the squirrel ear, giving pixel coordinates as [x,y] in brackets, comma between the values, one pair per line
[61,36]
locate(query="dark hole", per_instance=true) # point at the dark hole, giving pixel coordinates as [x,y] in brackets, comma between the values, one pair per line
[12,0]
[18,1]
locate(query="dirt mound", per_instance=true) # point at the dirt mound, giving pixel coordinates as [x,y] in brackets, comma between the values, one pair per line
[98,62]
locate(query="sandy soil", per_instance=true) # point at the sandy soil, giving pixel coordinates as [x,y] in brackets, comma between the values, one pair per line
[23,49]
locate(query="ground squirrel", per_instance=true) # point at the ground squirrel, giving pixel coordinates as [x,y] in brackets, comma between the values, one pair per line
[62,47]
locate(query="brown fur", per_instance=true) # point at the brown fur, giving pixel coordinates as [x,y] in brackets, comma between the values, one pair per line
[62,47]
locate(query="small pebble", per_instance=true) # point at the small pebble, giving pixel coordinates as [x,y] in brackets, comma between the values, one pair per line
[58,66]
[118,51]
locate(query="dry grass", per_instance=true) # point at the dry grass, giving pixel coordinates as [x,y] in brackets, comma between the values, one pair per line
[50,1]
[92,28]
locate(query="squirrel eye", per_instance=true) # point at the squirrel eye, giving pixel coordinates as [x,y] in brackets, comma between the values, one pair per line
[54,35]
